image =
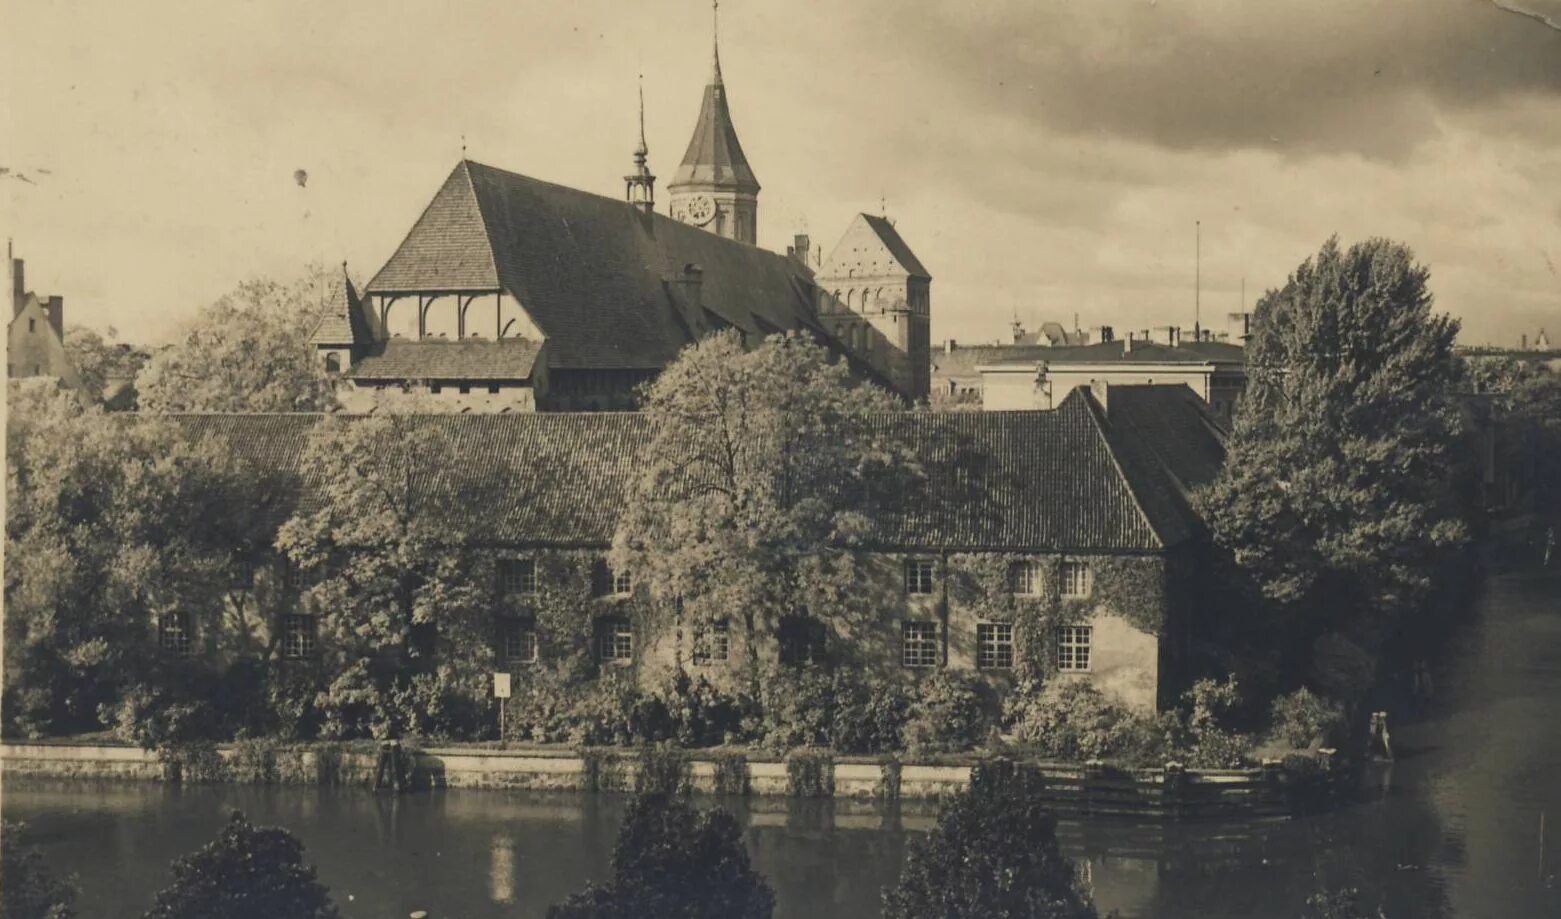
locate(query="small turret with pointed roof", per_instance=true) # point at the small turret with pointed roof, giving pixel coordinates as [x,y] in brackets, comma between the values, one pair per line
[714,187]
[640,185]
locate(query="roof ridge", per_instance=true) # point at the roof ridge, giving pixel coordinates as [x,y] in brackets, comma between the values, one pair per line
[1099,422]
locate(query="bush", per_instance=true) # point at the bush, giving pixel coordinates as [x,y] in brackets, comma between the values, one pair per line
[1205,741]
[1303,719]
[246,873]
[810,774]
[952,713]
[731,773]
[1071,720]
[663,769]
[994,852]
[672,860]
[158,714]
[27,889]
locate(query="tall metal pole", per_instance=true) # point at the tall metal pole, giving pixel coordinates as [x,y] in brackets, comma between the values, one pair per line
[1197,281]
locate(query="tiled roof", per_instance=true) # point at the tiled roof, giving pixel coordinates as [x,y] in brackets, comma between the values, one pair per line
[897,246]
[966,358]
[1063,480]
[466,359]
[596,275]
[1176,425]
[344,319]
[714,156]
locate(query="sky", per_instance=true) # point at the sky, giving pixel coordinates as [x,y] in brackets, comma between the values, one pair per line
[1045,158]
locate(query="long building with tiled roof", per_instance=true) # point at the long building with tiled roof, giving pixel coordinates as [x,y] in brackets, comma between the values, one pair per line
[1083,511]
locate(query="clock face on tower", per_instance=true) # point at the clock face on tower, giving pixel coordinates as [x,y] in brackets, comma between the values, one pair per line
[700,209]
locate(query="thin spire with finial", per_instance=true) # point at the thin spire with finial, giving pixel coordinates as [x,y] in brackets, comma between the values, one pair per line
[642,149]
[463,146]
[715,32]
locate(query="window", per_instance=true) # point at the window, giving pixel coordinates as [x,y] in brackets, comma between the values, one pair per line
[436,389]
[518,641]
[919,644]
[995,645]
[801,640]
[292,578]
[1073,647]
[614,639]
[298,636]
[32,325]
[465,390]
[493,390]
[622,583]
[173,632]
[333,363]
[241,576]
[712,642]
[517,576]
[919,576]
[1024,579]
[606,582]
[1075,579]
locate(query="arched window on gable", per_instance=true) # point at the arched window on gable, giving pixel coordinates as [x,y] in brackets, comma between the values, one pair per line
[333,362]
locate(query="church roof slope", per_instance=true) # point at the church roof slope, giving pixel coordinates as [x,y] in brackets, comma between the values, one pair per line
[593,272]
[1064,480]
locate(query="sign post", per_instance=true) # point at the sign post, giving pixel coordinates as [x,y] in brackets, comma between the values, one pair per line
[501,691]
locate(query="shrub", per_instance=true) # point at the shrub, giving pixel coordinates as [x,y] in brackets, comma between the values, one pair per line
[994,852]
[157,714]
[663,769]
[731,773]
[246,873]
[952,713]
[1303,719]
[255,762]
[1206,741]
[870,713]
[27,888]
[810,774]
[194,763]
[672,860]
[1073,721]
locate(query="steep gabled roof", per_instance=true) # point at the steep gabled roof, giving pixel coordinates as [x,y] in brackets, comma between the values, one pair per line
[896,245]
[595,274]
[714,156]
[466,359]
[1065,480]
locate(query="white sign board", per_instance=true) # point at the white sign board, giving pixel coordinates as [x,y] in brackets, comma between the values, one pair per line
[501,686]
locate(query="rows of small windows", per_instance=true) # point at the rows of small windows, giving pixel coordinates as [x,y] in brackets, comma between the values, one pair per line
[299,634]
[1025,578]
[921,645]
[517,577]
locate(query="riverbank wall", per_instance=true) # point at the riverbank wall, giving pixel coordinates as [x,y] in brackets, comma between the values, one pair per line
[1276,788]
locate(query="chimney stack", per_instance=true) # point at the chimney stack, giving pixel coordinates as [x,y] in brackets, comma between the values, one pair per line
[949,346]
[801,248]
[18,283]
[55,307]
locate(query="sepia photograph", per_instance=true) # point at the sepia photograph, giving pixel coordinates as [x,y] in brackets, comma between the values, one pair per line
[781,459]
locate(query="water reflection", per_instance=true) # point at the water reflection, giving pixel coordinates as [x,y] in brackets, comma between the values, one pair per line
[501,871]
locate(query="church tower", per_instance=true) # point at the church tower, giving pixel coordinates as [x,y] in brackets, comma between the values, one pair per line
[714,187]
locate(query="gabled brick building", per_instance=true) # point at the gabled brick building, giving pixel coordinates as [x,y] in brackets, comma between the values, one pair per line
[1056,544]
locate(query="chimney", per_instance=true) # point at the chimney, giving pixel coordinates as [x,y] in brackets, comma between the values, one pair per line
[1101,390]
[1166,335]
[801,248]
[688,292]
[1127,343]
[56,310]
[949,346]
[1017,330]
[1101,334]
[1238,326]
[18,284]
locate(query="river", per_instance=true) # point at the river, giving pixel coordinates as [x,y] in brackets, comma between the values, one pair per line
[1451,830]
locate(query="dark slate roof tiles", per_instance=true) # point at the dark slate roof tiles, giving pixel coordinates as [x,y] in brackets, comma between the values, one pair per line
[466,359]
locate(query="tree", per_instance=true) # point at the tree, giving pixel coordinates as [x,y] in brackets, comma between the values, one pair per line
[387,560]
[672,860]
[27,889]
[245,873]
[757,485]
[1525,399]
[107,367]
[1335,496]
[247,352]
[112,523]
[993,855]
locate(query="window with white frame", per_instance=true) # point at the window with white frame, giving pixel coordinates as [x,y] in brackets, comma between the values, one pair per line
[173,632]
[1073,647]
[712,642]
[517,577]
[1076,580]
[614,639]
[622,584]
[920,576]
[519,641]
[299,633]
[995,645]
[241,576]
[919,644]
[1024,578]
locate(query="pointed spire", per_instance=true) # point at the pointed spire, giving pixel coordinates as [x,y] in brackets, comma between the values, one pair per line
[639,187]
[715,32]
